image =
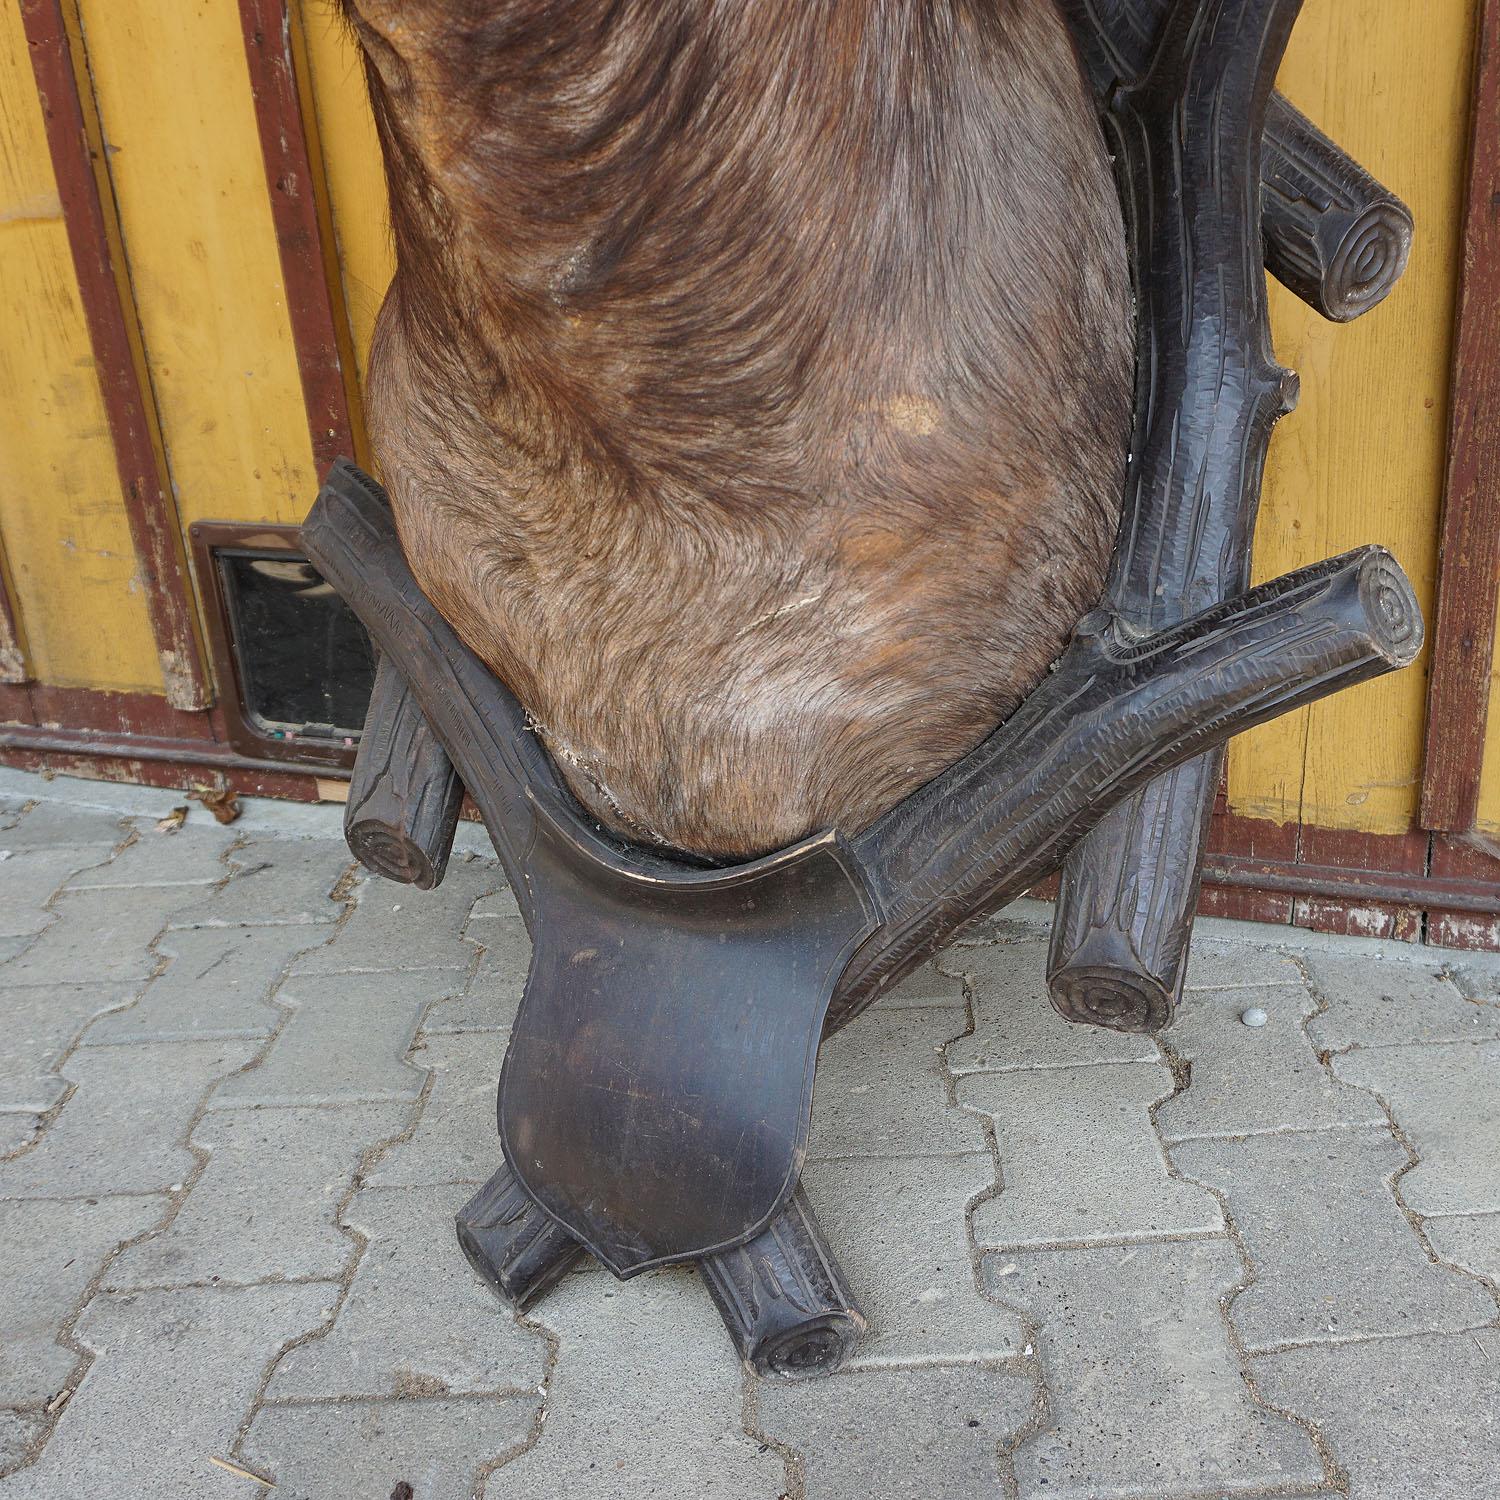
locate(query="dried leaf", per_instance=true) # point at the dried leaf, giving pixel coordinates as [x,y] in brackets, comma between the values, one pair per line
[173,820]
[240,1473]
[222,803]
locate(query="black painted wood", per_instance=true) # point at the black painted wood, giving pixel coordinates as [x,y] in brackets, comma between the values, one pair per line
[404,795]
[511,1243]
[783,1298]
[1186,130]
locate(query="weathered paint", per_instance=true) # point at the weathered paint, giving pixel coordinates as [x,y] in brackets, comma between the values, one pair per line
[69,554]
[1362,459]
[174,97]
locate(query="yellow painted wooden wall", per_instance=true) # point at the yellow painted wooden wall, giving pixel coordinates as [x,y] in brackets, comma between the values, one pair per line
[1360,461]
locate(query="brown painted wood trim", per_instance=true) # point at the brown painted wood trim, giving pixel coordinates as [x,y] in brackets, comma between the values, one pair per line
[15,664]
[75,140]
[287,122]
[1469,578]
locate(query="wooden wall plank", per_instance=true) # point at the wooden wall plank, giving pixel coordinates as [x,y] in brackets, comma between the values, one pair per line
[1463,657]
[276,56]
[174,95]
[1362,460]
[69,552]
[356,175]
[83,187]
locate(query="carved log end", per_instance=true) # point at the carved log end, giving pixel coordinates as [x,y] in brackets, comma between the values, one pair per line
[1119,998]
[385,850]
[511,1243]
[784,1300]
[1391,604]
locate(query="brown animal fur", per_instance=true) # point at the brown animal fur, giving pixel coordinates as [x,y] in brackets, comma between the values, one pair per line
[754,387]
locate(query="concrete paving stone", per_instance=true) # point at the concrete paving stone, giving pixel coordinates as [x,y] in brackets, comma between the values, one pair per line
[1247,1080]
[52,1252]
[925,988]
[274,880]
[881,1089]
[175,1374]
[266,1205]
[343,1043]
[396,926]
[1146,1394]
[644,1402]
[1079,1158]
[456,1139]
[20,1431]
[897,1434]
[39,1023]
[1237,966]
[54,824]
[491,998]
[1477,975]
[1446,1101]
[417,1318]
[1334,1256]
[1015,1025]
[10,947]
[499,901]
[190,856]
[17,1131]
[29,878]
[99,937]
[438,1449]
[1472,1241]
[217,983]
[1375,1003]
[1408,1418]
[121,1130]
[897,1227]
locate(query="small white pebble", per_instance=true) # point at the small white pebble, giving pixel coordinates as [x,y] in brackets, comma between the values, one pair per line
[1255,1016]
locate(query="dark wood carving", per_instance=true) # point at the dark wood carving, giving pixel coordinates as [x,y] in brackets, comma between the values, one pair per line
[1333,235]
[656,1094]
[1188,155]
[404,794]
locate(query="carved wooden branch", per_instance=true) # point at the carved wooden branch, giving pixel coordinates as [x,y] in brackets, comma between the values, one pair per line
[404,795]
[1334,235]
[1187,141]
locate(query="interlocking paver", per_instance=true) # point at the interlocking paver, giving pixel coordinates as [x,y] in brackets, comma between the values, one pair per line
[216,982]
[52,1251]
[417,1319]
[899,1435]
[437,1448]
[1381,1003]
[191,856]
[121,1131]
[897,1227]
[1472,1241]
[499,902]
[19,1431]
[29,878]
[1079,1159]
[1334,1256]
[1238,966]
[491,998]
[39,1023]
[1446,1099]
[182,1366]
[644,1403]
[265,1207]
[1417,1417]
[456,1139]
[1015,1025]
[344,1042]
[924,988]
[274,880]
[53,825]
[1245,1079]
[397,927]
[99,937]
[881,1089]
[1146,1396]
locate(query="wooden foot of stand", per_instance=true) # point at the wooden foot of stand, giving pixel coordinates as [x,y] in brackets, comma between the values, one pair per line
[783,1298]
[513,1245]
